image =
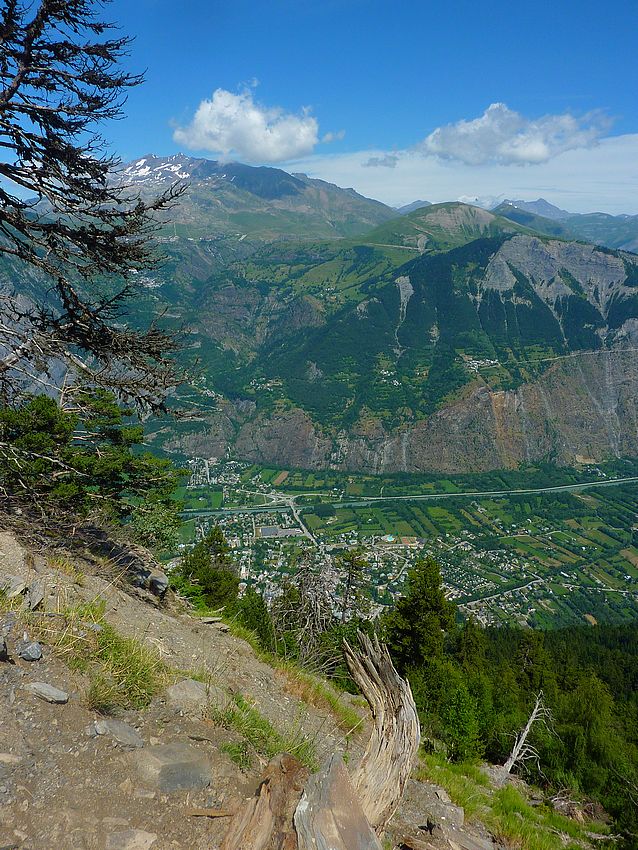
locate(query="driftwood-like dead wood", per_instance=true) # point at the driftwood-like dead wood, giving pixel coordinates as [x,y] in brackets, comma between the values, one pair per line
[522,750]
[329,815]
[380,777]
[266,820]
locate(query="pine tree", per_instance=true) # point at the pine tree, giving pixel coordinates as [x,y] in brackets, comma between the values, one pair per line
[207,573]
[65,224]
[415,629]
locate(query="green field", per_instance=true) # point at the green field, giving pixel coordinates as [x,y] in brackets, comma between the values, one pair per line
[200,499]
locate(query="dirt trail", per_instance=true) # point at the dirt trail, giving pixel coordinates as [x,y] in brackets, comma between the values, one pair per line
[63,787]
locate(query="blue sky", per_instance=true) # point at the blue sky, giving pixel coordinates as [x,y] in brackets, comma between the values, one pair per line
[394,98]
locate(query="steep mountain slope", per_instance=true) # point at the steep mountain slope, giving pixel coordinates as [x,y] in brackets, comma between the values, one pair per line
[259,202]
[509,347]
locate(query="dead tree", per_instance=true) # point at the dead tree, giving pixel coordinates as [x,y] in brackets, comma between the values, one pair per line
[380,777]
[523,751]
[305,610]
[266,821]
[330,815]
[334,809]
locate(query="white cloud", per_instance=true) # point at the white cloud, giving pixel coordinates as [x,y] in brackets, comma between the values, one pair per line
[235,126]
[602,178]
[334,137]
[506,137]
[388,161]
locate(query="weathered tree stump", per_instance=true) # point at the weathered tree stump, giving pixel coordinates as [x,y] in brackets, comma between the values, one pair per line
[329,814]
[336,811]
[385,767]
[266,821]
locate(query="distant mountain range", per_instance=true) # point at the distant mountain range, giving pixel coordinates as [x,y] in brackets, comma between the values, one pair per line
[612,231]
[415,205]
[333,331]
[539,207]
[254,202]
[267,204]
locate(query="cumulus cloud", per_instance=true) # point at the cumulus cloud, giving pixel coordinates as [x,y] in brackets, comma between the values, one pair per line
[503,136]
[602,178]
[235,126]
[389,160]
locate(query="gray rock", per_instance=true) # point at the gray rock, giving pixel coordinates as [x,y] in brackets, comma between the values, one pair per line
[427,804]
[120,732]
[158,583]
[130,839]
[13,586]
[192,697]
[210,620]
[173,767]
[29,650]
[36,594]
[9,621]
[47,692]
[4,652]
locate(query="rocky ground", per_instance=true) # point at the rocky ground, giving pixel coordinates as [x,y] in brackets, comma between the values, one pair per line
[74,779]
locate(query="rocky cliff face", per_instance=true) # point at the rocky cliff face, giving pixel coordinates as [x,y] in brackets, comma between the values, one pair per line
[583,407]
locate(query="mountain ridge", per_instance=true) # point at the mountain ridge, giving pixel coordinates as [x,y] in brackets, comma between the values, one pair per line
[259,202]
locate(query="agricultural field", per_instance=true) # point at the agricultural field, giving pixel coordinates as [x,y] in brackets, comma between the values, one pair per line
[200,499]
[542,559]
[327,483]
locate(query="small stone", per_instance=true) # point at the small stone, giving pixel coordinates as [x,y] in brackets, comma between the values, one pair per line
[47,692]
[158,583]
[210,620]
[173,767]
[130,839]
[35,594]
[4,651]
[29,650]
[124,734]
[192,697]
[9,621]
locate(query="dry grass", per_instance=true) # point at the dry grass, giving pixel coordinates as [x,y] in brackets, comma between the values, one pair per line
[63,565]
[320,694]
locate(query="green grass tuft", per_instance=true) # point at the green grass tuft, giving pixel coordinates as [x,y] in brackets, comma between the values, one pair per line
[258,732]
[239,753]
[122,672]
[505,811]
